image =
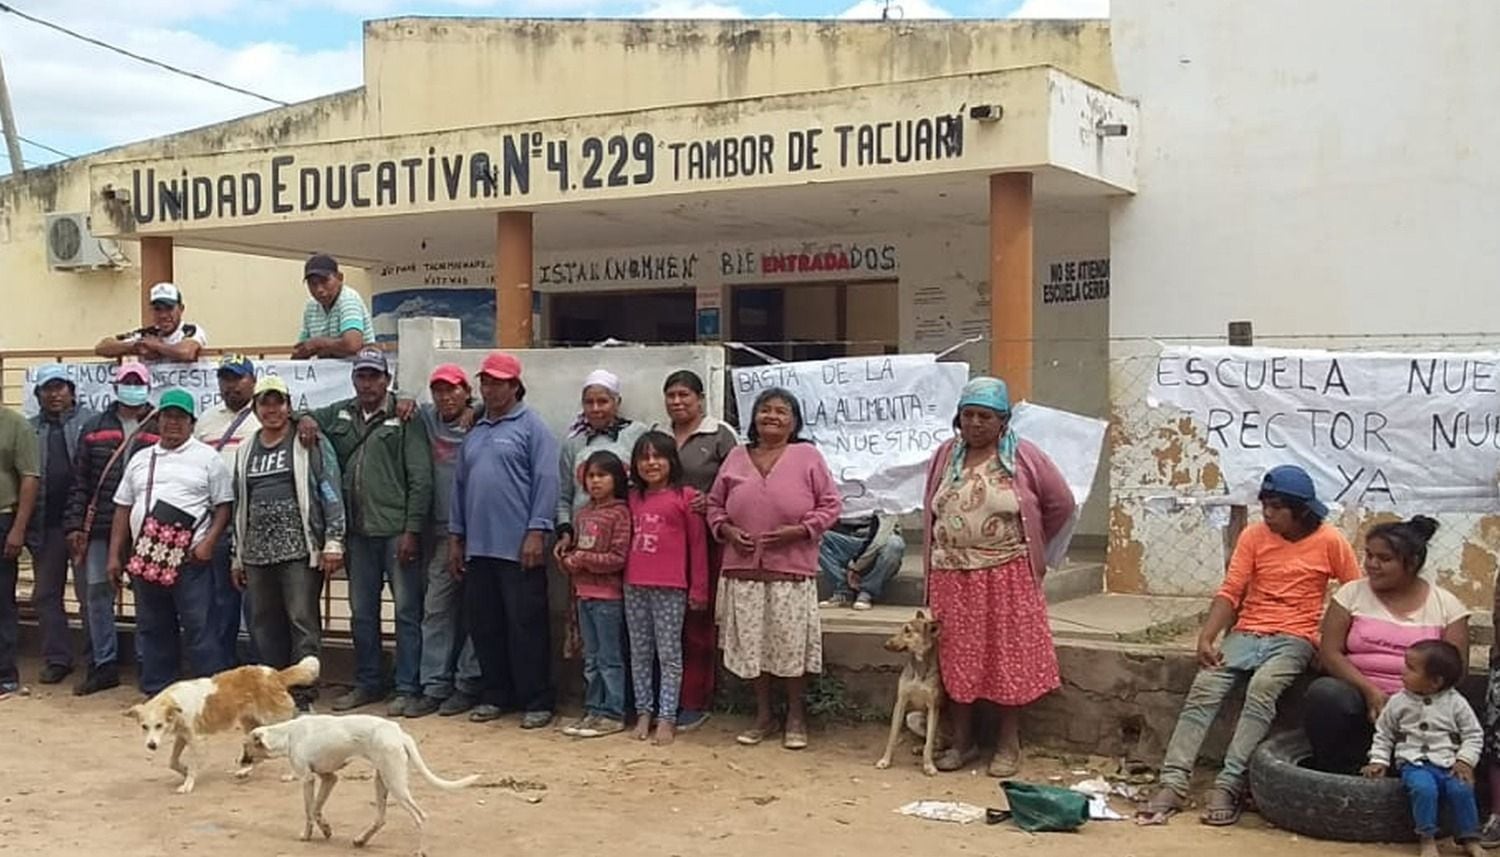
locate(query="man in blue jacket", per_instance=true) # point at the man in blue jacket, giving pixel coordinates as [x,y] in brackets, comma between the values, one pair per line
[58,425]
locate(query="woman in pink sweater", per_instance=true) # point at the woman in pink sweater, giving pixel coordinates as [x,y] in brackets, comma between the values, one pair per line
[771,503]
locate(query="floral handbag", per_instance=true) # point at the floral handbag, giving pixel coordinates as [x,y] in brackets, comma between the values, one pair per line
[166,537]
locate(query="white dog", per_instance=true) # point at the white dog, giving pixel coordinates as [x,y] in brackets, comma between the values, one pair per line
[318,746]
[241,698]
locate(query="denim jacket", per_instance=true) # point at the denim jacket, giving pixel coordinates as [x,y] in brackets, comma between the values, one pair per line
[72,422]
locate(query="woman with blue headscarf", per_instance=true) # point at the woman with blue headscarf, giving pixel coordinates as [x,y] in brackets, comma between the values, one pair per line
[995,502]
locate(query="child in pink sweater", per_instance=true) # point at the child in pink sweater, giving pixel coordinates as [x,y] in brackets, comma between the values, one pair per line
[594,561]
[665,575]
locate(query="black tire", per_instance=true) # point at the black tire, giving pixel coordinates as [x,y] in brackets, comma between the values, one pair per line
[1325,806]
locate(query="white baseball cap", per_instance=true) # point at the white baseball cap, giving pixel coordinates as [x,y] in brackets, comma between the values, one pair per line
[166,293]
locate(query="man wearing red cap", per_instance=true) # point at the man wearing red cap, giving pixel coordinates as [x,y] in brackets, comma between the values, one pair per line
[505,493]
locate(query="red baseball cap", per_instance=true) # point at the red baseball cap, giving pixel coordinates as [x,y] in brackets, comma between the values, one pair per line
[501,366]
[449,373]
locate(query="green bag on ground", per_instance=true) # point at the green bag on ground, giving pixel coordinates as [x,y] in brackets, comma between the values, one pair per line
[1041,809]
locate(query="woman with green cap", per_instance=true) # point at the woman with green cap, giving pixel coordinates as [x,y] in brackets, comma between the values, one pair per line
[995,502]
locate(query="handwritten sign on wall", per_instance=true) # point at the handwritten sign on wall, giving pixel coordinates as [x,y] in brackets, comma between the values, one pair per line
[877,420]
[1411,432]
[312,383]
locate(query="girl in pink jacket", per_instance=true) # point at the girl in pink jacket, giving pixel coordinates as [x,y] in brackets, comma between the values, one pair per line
[666,574]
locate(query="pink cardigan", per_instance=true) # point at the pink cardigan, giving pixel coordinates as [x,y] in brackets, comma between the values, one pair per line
[799,490]
[1045,498]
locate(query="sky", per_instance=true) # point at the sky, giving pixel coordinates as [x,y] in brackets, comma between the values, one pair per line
[77,98]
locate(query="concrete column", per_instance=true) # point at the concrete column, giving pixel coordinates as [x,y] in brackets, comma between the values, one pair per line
[1011,282]
[513,267]
[156,267]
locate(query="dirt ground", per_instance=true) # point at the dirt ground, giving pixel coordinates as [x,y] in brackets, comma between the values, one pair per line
[75,778]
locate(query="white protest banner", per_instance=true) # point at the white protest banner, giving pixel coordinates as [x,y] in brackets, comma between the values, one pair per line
[1410,432]
[313,383]
[1072,441]
[876,419]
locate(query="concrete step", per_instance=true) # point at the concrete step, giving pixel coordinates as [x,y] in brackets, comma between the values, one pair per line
[854,638]
[1082,574]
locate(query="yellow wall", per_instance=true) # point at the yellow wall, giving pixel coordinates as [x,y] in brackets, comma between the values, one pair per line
[483,71]
[424,73]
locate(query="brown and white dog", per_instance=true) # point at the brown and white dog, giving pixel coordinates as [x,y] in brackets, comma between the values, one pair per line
[920,688]
[243,698]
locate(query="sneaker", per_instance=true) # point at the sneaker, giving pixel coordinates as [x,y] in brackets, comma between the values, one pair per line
[54,673]
[486,713]
[397,706]
[11,688]
[1489,835]
[601,727]
[837,599]
[583,727]
[422,706]
[100,678]
[864,601]
[536,720]
[687,721]
[456,704]
[356,698]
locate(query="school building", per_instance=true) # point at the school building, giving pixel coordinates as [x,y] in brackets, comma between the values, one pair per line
[1067,194]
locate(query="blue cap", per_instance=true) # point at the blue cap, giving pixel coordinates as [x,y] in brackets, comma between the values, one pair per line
[371,357]
[1289,480]
[236,364]
[52,372]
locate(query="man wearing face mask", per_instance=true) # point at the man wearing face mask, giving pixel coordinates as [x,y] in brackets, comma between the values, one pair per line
[106,442]
[58,426]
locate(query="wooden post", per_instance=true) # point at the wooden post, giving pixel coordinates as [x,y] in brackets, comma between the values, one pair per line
[513,267]
[1011,282]
[156,267]
[1241,334]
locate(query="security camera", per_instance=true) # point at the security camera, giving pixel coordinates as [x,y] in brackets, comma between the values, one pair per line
[986,112]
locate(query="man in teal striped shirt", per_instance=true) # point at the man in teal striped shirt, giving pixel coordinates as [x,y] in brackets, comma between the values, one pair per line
[335,322]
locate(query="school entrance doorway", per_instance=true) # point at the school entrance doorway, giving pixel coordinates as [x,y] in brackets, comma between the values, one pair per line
[653,318]
[815,321]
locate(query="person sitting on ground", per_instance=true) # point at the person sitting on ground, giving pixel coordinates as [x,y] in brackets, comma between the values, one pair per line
[1436,740]
[1367,629]
[1270,605]
[858,557]
[165,340]
[335,322]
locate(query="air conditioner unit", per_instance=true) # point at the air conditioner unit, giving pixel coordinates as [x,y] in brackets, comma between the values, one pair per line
[71,247]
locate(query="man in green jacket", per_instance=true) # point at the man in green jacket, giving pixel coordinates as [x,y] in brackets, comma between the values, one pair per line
[387,467]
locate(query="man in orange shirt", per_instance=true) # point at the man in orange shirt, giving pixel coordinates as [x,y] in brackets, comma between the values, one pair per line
[1270,604]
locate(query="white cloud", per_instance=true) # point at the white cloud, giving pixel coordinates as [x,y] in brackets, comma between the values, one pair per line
[1062,9]
[691,9]
[899,10]
[79,97]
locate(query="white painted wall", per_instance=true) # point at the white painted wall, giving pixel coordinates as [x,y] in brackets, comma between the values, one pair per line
[1324,167]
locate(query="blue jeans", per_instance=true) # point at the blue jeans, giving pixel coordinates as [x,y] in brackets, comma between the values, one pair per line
[371,562]
[837,550]
[104,641]
[173,621]
[1271,662]
[601,623]
[1425,786]
[448,660]
[225,611]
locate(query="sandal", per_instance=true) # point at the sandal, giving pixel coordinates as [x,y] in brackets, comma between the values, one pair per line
[1003,766]
[954,760]
[794,740]
[1164,804]
[752,736]
[1223,808]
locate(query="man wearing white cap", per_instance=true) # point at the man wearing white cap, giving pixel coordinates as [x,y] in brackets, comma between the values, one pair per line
[166,339]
